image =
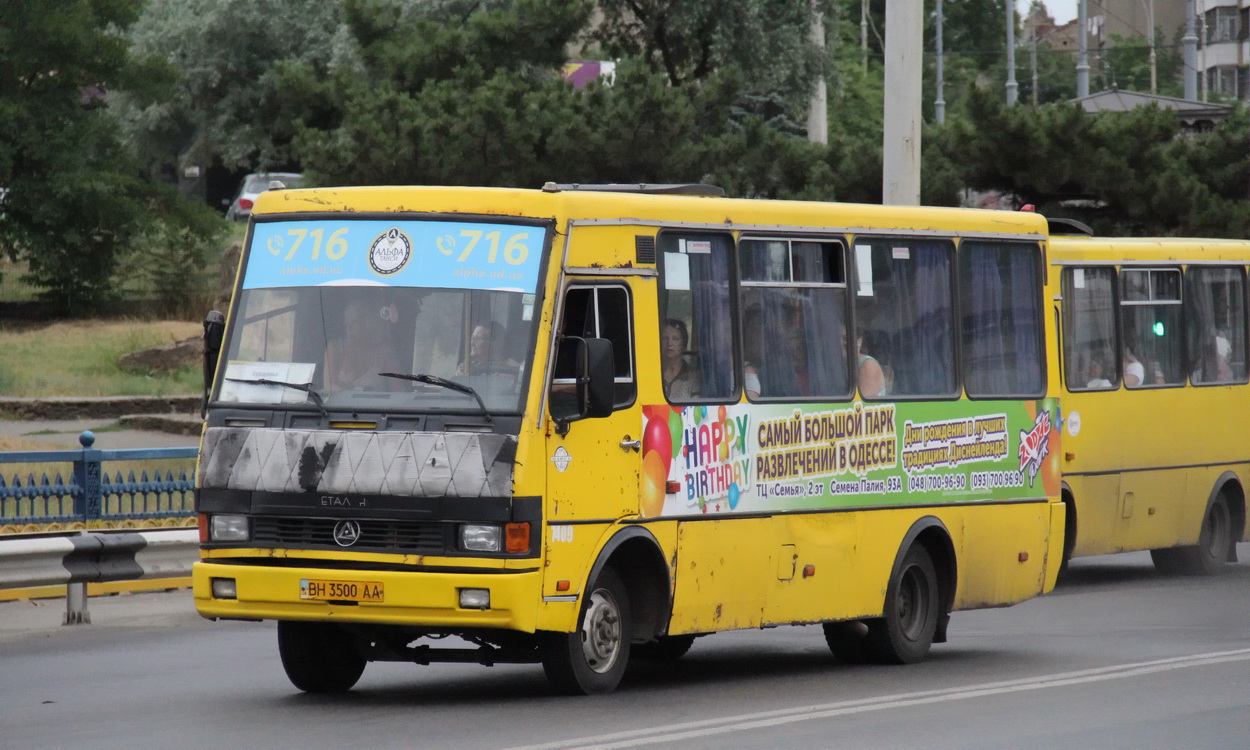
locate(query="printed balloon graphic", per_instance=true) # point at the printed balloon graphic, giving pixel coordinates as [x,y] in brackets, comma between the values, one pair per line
[674,431]
[721,414]
[654,476]
[657,437]
[658,411]
[733,496]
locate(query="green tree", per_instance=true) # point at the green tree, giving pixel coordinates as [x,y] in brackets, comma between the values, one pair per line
[1129,173]
[225,104]
[75,200]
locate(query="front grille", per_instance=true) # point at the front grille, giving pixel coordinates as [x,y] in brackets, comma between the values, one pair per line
[423,537]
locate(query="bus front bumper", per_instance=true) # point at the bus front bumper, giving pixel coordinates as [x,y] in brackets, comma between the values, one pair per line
[425,599]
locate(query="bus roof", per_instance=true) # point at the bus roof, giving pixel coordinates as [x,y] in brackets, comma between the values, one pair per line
[1071,250]
[695,211]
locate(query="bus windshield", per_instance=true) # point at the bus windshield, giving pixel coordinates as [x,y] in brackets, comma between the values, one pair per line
[342,307]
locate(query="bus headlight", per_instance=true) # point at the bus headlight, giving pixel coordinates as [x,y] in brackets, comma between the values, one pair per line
[476,537]
[228,527]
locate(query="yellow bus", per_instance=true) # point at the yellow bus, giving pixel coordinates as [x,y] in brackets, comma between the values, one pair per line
[566,425]
[1156,453]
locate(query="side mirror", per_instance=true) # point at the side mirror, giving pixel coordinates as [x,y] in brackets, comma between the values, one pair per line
[214,330]
[596,382]
[583,386]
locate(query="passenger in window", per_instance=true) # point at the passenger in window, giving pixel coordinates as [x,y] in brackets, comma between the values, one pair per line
[872,376]
[1098,372]
[681,380]
[1213,367]
[486,352]
[355,361]
[1134,370]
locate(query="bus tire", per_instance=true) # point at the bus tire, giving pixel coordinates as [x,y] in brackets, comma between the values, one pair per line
[905,632]
[846,640]
[319,657]
[1207,558]
[593,658]
[664,648]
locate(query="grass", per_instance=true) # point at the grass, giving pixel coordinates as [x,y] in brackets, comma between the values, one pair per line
[79,358]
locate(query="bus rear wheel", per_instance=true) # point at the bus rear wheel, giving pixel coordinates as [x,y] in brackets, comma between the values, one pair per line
[905,633]
[1207,558]
[592,659]
[846,640]
[319,657]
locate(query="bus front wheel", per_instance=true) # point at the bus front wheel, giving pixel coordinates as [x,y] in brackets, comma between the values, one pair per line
[905,632]
[592,659]
[1207,558]
[319,657]
[664,648]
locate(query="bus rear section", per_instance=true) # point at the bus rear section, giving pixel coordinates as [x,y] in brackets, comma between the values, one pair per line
[1155,374]
[460,432]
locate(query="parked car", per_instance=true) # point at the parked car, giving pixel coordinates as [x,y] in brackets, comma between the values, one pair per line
[255,184]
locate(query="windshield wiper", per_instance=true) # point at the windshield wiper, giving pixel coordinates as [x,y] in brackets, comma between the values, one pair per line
[316,397]
[441,382]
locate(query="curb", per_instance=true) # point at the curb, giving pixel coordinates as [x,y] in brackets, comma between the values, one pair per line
[174,424]
[112,407]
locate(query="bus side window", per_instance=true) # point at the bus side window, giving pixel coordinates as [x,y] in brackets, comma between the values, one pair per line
[1090,359]
[905,316]
[1002,319]
[696,288]
[793,313]
[1215,315]
[1150,307]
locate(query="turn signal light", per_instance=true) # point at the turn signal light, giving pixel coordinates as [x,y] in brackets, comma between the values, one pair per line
[201,522]
[672,488]
[517,537]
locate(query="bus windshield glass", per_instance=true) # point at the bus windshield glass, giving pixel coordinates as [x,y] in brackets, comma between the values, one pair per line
[333,305]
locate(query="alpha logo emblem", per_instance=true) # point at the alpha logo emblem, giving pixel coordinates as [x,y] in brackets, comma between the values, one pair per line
[346,533]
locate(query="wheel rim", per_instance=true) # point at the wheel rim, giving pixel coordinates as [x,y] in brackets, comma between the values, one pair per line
[913,603]
[1216,530]
[601,632]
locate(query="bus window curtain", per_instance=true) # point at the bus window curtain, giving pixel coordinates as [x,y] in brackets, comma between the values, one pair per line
[921,343]
[1001,321]
[710,288]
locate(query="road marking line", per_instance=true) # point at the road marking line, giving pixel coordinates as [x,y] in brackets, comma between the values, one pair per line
[707,727]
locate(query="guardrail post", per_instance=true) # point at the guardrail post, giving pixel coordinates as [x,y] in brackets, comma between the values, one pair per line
[76,605]
[87,505]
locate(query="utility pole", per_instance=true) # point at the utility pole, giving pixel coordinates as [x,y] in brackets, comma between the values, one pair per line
[1012,86]
[1190,41]
[818,112]
[1082,60]
[1033,34]
[1154,71]
[939,103]
[904,49]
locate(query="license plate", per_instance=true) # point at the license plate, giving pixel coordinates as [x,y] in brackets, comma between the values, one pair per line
[349,591]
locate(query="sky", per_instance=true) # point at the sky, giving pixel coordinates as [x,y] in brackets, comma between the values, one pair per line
[1062,10]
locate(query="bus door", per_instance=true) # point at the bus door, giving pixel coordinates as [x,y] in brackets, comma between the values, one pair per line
[593,464]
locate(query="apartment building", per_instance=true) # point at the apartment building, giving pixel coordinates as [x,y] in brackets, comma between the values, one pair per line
[1224,47]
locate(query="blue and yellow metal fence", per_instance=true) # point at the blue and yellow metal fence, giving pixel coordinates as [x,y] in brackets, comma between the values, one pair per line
[93,497]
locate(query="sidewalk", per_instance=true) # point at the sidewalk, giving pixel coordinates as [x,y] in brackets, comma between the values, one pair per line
[110,433]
